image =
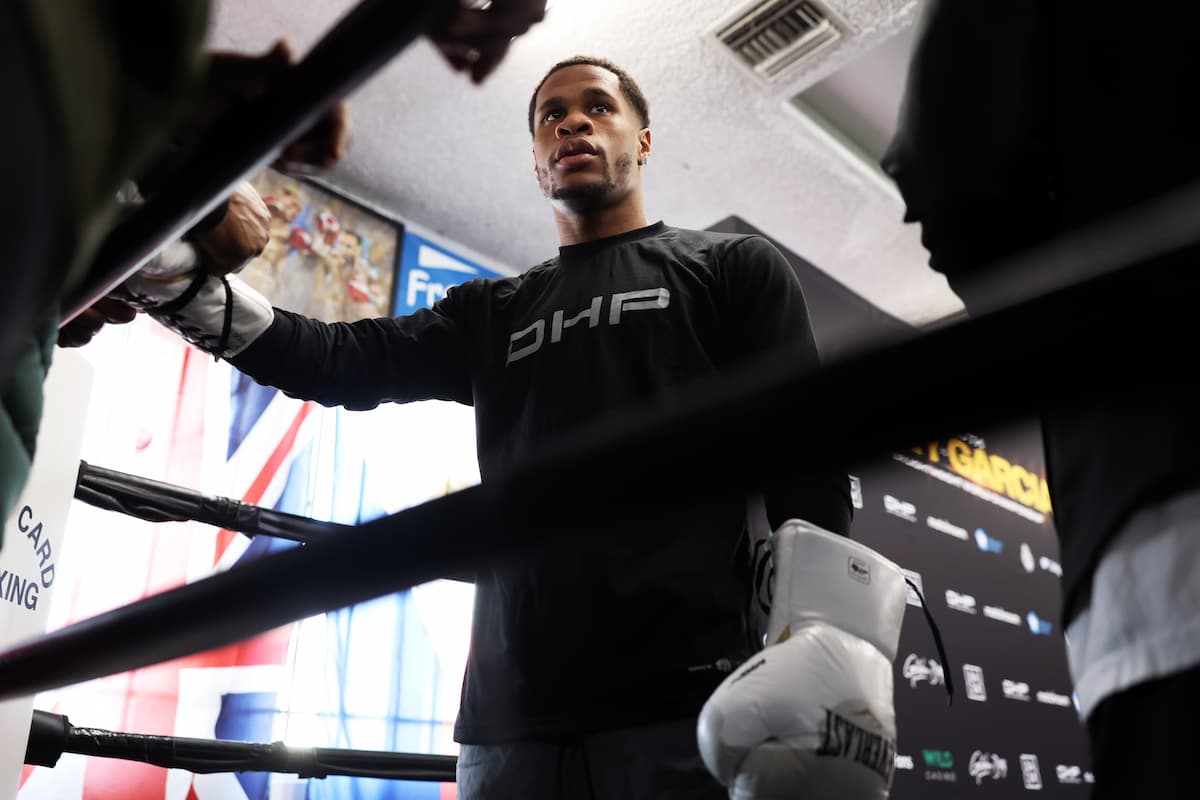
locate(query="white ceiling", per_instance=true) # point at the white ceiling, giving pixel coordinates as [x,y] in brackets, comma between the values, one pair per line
[455,159]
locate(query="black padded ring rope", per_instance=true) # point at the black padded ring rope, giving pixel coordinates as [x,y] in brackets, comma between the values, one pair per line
[155,501]
[723,435]
[51,735]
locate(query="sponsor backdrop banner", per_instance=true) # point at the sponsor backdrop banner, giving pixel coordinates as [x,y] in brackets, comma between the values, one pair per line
[969,519]
[428,269]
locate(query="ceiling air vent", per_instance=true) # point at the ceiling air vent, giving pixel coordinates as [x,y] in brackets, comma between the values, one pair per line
[774,36]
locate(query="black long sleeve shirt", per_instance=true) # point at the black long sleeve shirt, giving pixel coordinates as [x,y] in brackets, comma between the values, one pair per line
[609,634]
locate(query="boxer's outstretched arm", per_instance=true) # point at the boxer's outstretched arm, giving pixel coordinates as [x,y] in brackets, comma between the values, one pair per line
[361,364]
[353,364]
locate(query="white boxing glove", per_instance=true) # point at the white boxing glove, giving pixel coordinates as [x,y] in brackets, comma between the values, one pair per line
[811,715]
[221,317]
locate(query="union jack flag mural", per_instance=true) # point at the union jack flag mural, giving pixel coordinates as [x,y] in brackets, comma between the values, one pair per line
[380,676]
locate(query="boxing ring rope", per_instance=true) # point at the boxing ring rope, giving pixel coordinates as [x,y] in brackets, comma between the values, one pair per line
[724,435]
[719,436]
[51,735]
[155,501]
[358,45]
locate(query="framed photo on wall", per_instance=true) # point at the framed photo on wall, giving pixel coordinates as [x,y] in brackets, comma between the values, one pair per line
[328,257]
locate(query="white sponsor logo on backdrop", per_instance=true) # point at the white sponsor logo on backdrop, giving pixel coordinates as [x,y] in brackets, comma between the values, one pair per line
[988,544]
[987,765]
[918,669]
[899,508]
[1050,565]
[1027,559]
[973,679]
[1015,690]
[1037,625]
[856,495]
[1002,615]
[1031,773]
[960,602]
[1054,699]
[947,527]
[1068,773]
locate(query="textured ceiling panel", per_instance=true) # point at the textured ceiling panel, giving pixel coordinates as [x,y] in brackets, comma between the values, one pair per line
[455,158]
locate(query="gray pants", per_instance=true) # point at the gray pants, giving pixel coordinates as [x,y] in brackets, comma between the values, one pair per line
[657,762]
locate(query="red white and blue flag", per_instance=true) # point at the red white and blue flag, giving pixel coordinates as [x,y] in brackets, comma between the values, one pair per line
[379,676]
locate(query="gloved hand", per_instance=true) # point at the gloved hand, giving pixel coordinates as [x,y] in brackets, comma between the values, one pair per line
[240,236]
[811,715]
[186,286]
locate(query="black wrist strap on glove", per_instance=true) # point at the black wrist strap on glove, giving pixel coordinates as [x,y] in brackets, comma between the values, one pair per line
[937,641]
[189,294]
[227,324]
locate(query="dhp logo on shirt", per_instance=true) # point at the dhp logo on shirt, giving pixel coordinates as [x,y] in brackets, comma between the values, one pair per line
[529,340]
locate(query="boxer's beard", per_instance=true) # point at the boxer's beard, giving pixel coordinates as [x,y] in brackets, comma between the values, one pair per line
[589,196]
